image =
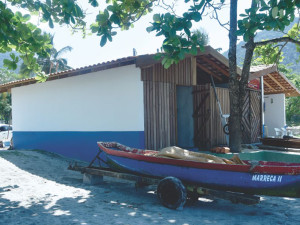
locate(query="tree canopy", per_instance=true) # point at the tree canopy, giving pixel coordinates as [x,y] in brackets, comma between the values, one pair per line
[18,33]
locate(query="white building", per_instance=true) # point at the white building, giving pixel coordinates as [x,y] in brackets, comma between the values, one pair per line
[133,100]
[276,88]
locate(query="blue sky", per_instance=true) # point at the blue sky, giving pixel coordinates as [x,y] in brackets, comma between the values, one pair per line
[88,51]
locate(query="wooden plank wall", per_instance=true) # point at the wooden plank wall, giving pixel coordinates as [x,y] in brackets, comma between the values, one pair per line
[160,114]
[183,73]
[256,110]
[160,100]
[160,107]
[217,134]
[251,117]
[246,120]
[202,116]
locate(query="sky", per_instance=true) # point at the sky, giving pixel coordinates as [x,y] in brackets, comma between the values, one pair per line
[87,51]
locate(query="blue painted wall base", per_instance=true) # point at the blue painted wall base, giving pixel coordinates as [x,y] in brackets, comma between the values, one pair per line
[78,145]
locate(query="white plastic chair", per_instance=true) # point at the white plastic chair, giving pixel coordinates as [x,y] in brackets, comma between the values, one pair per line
[278,133]
[284,132]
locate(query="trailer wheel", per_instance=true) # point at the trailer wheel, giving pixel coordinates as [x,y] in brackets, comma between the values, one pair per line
[171,192]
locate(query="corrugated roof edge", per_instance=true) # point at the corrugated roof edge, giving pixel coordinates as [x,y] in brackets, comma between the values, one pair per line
[72,72]
[140,61]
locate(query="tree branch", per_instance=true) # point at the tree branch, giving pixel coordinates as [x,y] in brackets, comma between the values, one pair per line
[276,40]
[215,16]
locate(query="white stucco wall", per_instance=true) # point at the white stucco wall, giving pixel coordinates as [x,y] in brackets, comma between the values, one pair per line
[109,100]
[274,112]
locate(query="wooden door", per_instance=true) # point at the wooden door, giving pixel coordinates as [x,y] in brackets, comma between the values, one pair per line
[202,116]
[251,121]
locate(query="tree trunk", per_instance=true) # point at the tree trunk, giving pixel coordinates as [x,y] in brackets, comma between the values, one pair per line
[235,116]
[246,69]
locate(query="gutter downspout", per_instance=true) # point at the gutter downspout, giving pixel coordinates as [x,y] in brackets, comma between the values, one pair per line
[262,106]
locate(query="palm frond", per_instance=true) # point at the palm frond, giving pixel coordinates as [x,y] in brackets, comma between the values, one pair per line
[63,51]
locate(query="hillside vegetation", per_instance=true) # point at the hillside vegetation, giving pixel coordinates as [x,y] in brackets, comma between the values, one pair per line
[289,51]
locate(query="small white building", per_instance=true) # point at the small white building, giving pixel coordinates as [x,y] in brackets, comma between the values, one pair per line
[134,101]
[276,88]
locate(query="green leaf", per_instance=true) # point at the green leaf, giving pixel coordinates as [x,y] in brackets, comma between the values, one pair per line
[168,48]
[158,56]
[274,12]
[72,19]
[196,16]
[103,40]
[94,3]
[51,25]
[18,14]
[40,77]
[181,55]
[187,31]
[164,60]
[281,13]
[156,18]
[149,29]
[168,63]
[26,18]
[115,19]
[109,37]
[194,50]
[253,30]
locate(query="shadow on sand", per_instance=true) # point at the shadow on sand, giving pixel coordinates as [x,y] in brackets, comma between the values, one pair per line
[118,202]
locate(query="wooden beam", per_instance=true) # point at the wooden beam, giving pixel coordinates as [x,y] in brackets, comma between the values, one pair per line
[209,72]
[194,70]
[287,93]
[273,79]
[269,86]
[206,59]
[217,55]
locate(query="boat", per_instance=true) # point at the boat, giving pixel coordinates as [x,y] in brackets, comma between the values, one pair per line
[282,142]
[250,177]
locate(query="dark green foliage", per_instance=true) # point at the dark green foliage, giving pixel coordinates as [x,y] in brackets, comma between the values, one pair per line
[179,39]
[289,53]
[51,63]
[5,107]
[5,98]
[292,104]
[17,33]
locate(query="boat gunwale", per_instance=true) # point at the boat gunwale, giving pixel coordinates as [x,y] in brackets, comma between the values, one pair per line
[262,169]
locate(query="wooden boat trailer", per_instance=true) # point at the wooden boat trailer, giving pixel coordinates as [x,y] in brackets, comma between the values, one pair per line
[171,191]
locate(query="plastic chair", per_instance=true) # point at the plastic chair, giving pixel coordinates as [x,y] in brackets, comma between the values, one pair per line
[284,131]
[278,133]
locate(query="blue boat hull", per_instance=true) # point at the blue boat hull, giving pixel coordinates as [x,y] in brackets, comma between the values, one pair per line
[244,182]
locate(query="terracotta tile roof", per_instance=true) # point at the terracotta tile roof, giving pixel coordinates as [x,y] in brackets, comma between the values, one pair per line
[274,81]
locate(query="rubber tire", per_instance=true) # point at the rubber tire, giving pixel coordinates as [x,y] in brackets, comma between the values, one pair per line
[171,193]
[226,128]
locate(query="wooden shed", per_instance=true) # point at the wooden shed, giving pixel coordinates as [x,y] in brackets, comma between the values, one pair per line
[180,105]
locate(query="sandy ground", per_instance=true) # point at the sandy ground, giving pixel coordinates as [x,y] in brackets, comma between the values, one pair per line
[37,188]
